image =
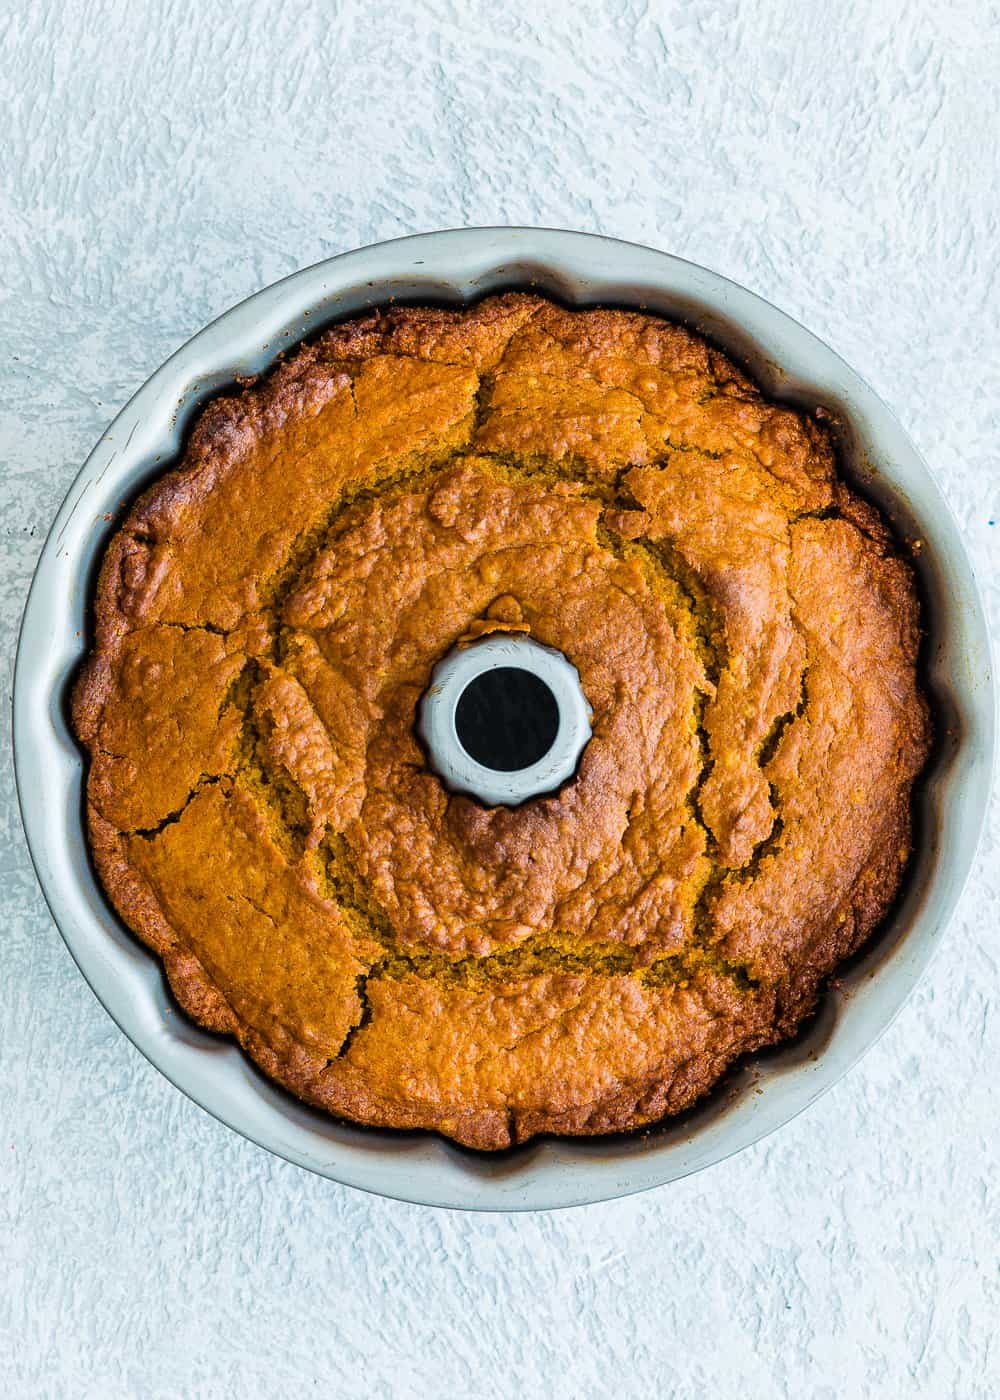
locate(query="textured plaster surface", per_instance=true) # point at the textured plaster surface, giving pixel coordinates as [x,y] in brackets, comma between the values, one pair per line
[160,161]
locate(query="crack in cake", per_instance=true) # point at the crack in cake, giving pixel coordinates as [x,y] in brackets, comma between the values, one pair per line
[262,815]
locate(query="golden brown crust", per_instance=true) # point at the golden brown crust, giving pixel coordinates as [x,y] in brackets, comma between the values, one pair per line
[268,615]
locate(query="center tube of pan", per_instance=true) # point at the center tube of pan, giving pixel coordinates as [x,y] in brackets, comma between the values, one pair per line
[504,720]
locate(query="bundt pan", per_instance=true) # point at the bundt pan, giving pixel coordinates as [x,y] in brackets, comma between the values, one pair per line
[790,365]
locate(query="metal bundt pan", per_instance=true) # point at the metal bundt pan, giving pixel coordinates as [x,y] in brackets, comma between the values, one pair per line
[790,364]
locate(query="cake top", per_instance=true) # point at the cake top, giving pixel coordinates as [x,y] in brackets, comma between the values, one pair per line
[268,617]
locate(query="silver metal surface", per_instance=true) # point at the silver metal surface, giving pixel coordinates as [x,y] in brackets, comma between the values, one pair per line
[449,757]
[791,364]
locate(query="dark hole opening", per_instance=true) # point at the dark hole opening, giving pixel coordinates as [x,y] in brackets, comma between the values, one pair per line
[506,719]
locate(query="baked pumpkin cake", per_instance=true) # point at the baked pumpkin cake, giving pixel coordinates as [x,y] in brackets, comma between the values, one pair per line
[262,814]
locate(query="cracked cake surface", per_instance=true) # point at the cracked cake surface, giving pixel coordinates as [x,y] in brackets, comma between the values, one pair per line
[268,614]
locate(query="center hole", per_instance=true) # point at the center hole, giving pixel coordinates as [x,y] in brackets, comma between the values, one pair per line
[506,719]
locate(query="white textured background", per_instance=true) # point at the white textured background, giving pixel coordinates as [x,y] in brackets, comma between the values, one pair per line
[159,162]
